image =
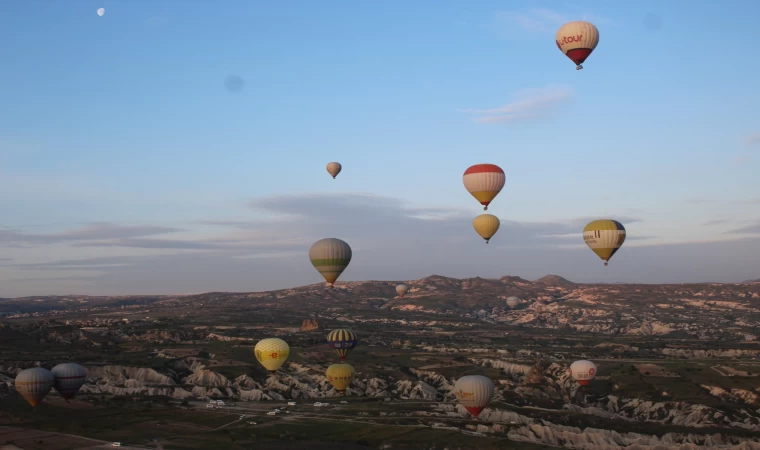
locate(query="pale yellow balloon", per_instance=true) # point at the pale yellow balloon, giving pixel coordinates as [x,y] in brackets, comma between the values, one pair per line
[34,384]
[271,353]
[334,169]
[401,290]
[340,375]
[486,225]
[577,40]
[583,371]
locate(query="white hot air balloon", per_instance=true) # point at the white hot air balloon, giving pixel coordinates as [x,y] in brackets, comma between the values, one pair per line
[101,11]
[474,392]
[583,371]
[577,40]
[512,302]
[69,377]
[334,169]
[401,290]
[34,384]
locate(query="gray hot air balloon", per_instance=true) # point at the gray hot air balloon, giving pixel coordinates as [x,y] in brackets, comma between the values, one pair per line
[401,290]
[513,301]
[69,377]
[34,384]
[330,256]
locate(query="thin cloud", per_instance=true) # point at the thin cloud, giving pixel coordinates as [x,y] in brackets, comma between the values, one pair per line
[741,160]
[96,230]
[528,104]
[752,229]
[541,20]
[698,200]
[753,139]
[713,222]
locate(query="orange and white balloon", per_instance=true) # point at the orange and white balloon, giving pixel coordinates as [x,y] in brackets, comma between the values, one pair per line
[577,40]
[484,182]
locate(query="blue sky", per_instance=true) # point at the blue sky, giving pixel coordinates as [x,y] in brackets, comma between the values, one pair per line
[120,124]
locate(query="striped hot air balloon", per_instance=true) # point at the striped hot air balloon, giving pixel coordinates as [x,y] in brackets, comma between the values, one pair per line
[484,182]
[604,237]
[271,353]
[486,225]
[69,377]
[474,392]
[577,40]
[342,341]
[341,376]
[34,384]
[513,301]
[330,256]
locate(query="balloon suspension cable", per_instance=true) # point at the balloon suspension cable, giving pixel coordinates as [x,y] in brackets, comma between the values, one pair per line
[578,67]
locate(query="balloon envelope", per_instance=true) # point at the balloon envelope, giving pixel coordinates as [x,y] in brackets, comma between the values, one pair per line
[101,11]
[583,371]
[604,237]
[334,169]
[271,353]
[401,290]
[330,257]
[342,341]
[577,40]
[340,375]
[486,225]
[69,377]
[474,392]
[512,302]
[34,384]
[484,182]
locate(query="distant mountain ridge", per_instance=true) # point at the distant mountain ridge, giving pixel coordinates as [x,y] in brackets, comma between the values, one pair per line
[554,280]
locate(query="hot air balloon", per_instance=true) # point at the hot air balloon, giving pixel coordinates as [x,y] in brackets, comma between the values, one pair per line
[484,182]
[577,40]
[342,341]
[401,290]
[101,11]
[330,257]
[583,371]
[512,302]
[69,377]
[271,353]
[474,392]
[604,237]
[334,169]
[486,225]
[34,384]
[340,375]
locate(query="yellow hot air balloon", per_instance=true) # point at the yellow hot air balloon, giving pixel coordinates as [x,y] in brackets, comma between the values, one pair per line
[271,353]
[474,392]
[484,182]
[604,237]
[330,257]
[486,225]
[34,384]
[401,290]
[334,169]
[577,40]
[341,376]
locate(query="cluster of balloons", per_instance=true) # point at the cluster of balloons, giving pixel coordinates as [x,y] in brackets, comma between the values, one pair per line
[35,384]
[273,352]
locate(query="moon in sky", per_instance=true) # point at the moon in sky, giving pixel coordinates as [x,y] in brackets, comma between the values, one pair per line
[101,11]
